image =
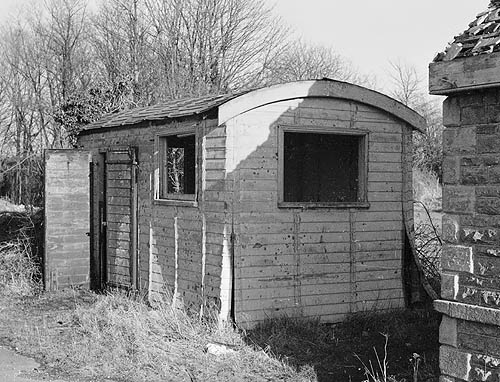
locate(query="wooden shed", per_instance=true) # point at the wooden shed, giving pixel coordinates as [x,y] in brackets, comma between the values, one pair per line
[292,199]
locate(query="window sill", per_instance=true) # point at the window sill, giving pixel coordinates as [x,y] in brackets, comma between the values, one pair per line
[333,205]
[175,202]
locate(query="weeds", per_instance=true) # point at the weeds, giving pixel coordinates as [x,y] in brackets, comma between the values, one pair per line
[119,337]
[19,272]
[379,372]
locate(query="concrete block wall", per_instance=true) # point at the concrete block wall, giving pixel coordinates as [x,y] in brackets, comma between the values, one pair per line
[470,292]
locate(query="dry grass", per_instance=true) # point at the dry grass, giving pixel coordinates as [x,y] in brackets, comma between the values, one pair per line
[19,272]
[119,337]
[427,189]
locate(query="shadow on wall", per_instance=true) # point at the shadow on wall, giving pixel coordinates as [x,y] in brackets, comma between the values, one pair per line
[292,260]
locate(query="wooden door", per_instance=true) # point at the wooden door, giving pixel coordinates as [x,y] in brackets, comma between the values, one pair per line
[67,214]
[120,216]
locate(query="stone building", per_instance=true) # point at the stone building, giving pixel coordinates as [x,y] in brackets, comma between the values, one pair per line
[468,73]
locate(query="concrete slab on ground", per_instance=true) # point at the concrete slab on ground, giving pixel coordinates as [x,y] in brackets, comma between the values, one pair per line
[17,368]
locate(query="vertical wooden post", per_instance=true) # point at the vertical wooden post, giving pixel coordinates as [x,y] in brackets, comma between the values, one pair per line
[133,222]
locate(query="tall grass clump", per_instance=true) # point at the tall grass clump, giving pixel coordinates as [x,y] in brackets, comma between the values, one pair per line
[120,337]
[21,247]
[427,188]
[19,270]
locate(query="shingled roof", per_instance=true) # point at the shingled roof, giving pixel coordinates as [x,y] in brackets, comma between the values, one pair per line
[161,111]
[482,36]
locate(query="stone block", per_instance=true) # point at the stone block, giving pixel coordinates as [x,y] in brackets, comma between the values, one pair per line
[474,175]
[471,99]
[450,228]
[449,286]
[487,265]
[448,331]
[487,144]
[492,114]
[488,191]
[479,235]
[458,199]
[451,170]
[457,258]
[490,97]
[474,115]
[494,175]
[487,129]
[459,140]
[488,206]
[479,338]
[480,221]
[454,363]
[451,112]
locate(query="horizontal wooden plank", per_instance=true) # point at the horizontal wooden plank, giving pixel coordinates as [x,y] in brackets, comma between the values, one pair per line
[386,147]
[119,192]
[380,295]
[386,137]
[384,157]
[117,156]
[386,274]
[259,185]
[324,237]
[303,248]
[290,258]
[375,227]
[285,282]
[119,201]
[380,235]
[258,173]
[377,196]
[118,183]
[367,286]
[117,175]
[334,225]
[385,186]
[385,167]
[385,177]
[374,246]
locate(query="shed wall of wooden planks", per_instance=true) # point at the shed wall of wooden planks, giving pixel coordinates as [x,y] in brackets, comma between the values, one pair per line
[323,262]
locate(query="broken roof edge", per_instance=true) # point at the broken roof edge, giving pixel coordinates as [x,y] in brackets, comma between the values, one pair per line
[464,74]
[324,87]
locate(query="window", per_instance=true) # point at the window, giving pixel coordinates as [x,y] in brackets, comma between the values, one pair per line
[321,168]
[177,166]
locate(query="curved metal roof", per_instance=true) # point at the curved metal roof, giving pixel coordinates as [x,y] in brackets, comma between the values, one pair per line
[229,105]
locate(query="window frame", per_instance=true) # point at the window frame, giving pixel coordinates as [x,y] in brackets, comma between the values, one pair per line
[160,194]
[362,166]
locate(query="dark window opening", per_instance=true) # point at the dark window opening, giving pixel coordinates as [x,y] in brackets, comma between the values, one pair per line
[322,168]
[178,165]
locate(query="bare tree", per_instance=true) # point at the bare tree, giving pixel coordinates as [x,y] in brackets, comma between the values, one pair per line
[300,60]
[214,46]
[409,89]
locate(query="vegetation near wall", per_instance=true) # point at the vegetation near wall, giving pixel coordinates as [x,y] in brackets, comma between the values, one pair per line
[65,63]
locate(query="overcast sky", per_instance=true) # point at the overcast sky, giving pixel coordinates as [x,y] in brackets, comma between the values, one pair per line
[371,32]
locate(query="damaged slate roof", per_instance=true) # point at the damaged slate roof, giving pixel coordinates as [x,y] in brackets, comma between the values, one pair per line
[482,36]
[161,111]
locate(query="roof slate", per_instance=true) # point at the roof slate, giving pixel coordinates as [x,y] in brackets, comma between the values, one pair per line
[482,36]
[166,110]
